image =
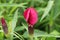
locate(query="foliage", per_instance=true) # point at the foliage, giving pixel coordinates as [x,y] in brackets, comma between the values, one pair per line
[47,27]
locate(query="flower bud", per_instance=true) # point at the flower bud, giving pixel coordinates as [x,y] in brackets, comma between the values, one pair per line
[31,16]
[4,26]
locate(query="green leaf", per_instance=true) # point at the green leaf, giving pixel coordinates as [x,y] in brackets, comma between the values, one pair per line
[19,28]
[47,9]
[14,20]
[1,12]
[13,9]
[1,35]
[56,9]
[11,5]
[18,36]
[37,33]
[56,33]
[43,38]
[50,38]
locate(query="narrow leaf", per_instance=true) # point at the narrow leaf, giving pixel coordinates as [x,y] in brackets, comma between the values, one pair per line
[14,20]
[48,8]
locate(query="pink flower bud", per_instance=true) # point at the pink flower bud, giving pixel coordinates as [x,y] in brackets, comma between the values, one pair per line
[31,16]
[4,26]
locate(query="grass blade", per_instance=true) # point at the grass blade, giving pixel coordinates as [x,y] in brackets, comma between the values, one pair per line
[48,8]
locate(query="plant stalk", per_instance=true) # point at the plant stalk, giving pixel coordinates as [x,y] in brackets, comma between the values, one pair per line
[31,32]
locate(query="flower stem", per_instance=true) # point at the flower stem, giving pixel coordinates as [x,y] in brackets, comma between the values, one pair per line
[30,37]
[31,32]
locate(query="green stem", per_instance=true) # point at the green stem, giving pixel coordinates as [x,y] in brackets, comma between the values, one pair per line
[30,37]
[48,29]
[31,32]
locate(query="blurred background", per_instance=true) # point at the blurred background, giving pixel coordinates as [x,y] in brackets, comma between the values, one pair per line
[47,27]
